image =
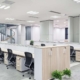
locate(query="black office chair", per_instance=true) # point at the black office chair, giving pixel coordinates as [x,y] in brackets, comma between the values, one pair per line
[42,44]
[72,53]
[1,55]
[29,63]
[11,59]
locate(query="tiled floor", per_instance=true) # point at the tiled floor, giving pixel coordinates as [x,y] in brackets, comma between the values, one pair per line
[12,74]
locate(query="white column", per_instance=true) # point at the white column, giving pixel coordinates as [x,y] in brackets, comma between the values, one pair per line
[74,29]
[23,35]
[46,30]
[19,34]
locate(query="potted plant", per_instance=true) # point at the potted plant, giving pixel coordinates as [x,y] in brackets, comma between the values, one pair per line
[66,73]
[57,75]
[31,42]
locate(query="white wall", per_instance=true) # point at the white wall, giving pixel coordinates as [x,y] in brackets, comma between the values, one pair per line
[35,33]
[59,35]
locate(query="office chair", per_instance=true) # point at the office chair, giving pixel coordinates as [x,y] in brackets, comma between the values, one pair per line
[42,44]
[1,55]
[72,53]
[11,59]
[29,63]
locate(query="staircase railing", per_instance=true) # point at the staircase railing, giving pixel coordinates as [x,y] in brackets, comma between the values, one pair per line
[8,36]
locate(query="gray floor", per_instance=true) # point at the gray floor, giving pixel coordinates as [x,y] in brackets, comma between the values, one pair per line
[12,74]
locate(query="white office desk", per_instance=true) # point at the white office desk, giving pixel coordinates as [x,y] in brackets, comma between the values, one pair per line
[46,58]
[18,53]
[20,59]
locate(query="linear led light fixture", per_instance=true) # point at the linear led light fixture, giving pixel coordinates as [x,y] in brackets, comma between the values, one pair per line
[7,7]
[32,12]
[3,6]
[78,1]
[31,21]
[55,16]
[9,19]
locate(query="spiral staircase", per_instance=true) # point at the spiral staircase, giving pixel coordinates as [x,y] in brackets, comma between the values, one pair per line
[6,38]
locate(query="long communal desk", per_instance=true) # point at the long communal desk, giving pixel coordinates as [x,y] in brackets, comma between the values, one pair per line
[20,59]
[46,59]
[77,50]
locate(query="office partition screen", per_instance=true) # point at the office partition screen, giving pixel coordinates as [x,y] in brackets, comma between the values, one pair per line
[28,33]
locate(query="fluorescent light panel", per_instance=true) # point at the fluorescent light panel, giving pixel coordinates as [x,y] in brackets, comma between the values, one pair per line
[32,12]
[77,1]
[55,16]
[31,21]
[7,7]
[9,18]
[1,7]
[4,7]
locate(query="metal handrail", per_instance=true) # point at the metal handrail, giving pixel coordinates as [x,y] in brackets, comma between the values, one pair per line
[10,37]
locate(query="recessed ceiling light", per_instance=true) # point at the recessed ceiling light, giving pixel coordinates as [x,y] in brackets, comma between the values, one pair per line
[7,7]
[32,12]
[2,6]
[78,1]
[55,16]
[31,21]
[9,19]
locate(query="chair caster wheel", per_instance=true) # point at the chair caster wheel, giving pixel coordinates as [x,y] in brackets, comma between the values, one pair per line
[28,72]
[29,77]
[23,75]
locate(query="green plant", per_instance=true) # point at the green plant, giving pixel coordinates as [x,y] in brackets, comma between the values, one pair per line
[57,74]
[31,42]
[67,72]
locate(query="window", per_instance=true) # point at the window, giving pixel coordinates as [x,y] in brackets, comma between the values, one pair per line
[66,33]
[28,33]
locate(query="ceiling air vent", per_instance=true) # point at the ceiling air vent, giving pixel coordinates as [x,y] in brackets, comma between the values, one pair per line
[33,17]
[8,2]
[55,12]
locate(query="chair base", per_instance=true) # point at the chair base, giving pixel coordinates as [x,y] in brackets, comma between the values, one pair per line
[30,72]
[11,65]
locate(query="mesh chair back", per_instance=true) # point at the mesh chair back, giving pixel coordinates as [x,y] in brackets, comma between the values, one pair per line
[32,65]
[0,49]
[72,50]
[42,44]
[9,54]
[28,57]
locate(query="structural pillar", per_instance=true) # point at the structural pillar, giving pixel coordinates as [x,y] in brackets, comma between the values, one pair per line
[21,34]
[74,29]
[46,30]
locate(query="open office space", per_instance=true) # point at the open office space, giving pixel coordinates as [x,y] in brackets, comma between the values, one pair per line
[39,39]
